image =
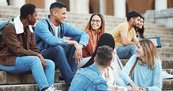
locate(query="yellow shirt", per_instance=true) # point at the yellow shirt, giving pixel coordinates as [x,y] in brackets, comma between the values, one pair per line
[122,28]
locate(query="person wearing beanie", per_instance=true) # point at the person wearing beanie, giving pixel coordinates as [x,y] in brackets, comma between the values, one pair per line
[125,36]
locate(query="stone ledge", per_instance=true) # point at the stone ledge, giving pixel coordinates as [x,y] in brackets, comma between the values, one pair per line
[167,84]
[7,78]
[31,87]
[161,17]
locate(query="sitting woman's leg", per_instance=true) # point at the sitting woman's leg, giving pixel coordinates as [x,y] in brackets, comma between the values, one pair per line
[33,64]
[50,71]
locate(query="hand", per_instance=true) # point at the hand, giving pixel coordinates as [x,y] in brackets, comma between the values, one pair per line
[115,52]
[44,64]
[134,87]
[78,52]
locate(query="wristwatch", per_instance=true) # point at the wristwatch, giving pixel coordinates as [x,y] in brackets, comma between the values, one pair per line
[147,89]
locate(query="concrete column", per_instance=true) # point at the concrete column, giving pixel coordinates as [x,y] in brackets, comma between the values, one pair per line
[47,4]
[17,3]
[103,7]
[3,2]
[120,8]
[160,4]
[79,6]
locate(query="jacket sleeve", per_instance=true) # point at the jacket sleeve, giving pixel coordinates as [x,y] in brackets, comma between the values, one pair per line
[90,47]
[70,31]
[43,32]
[34,46]
[11,40]
[102,86]
[124,74]
[157,86]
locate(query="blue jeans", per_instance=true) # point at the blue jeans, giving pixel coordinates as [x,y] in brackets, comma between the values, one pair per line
[33,64]
[63,58]
[125,52]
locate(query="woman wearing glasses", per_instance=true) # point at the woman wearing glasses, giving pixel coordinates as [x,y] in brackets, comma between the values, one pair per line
[94,28]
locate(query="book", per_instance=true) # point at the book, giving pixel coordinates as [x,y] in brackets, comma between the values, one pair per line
[156,41]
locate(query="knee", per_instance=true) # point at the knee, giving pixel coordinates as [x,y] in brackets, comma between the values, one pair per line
[35,60]
[133,47]
[50,63]
[58,48]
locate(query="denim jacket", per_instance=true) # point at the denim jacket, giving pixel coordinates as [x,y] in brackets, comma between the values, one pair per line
[42,31]
[88,79]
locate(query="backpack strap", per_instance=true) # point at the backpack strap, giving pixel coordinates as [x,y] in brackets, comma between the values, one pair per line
[60,31]
[38,41]
[48,24]
[10,20]
[133,67]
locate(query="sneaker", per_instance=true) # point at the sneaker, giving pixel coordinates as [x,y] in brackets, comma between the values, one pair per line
[52,89]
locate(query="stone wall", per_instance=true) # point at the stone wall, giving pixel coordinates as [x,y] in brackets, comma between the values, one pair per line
[161,17]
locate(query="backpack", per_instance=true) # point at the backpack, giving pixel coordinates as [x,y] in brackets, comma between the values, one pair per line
[4,23]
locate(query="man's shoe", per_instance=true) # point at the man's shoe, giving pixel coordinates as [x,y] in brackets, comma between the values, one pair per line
[52,89]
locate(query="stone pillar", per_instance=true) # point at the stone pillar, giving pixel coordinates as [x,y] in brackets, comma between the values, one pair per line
[47,4]
[160,4]
[120,8]
[17,3]
[79,6]
[103,7]
[3,2]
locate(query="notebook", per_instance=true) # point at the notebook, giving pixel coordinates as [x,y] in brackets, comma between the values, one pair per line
[156,41]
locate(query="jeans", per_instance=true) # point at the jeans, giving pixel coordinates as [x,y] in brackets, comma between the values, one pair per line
[63,58]
[33,64]
[125,52]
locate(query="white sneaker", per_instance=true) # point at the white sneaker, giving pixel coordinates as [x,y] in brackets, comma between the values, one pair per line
[52,89]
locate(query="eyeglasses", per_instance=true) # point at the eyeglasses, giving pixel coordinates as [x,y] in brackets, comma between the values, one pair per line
[97,21]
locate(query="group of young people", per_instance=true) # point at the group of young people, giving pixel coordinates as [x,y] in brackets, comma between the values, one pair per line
[43,50]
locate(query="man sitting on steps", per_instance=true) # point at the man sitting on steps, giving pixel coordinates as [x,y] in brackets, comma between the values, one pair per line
[49,35]
[125,37]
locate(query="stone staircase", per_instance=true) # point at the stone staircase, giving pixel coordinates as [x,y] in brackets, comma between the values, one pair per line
[25,82]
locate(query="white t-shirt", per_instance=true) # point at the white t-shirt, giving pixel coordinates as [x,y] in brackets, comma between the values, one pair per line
[55,30]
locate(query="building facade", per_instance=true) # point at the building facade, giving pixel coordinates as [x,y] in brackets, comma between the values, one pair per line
[118,8]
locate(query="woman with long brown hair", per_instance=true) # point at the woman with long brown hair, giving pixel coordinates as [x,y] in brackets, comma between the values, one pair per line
[95,28]
[147,73]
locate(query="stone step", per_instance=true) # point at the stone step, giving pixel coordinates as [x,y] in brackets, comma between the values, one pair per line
[163,31]
[31,87]
[167,63]
[167,84]
[42,14]
[165,54]
[7,78]
[166,40]
[147,34]
[165,49]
